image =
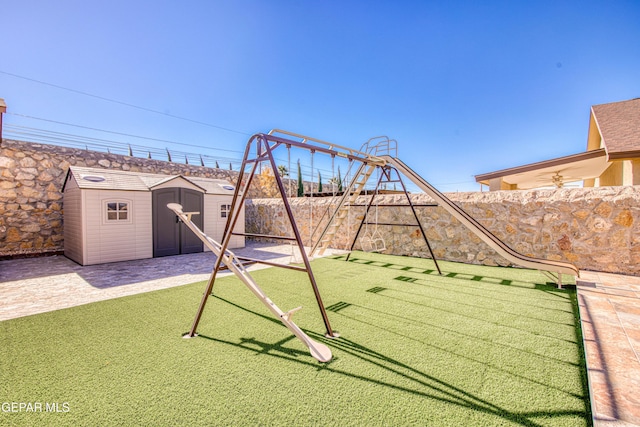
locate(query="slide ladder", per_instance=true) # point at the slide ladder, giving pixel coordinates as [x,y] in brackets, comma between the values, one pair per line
[558,267]
[355,187]
[319,351]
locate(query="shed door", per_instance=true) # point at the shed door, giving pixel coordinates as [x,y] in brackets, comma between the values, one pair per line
[191,201]
[171,237]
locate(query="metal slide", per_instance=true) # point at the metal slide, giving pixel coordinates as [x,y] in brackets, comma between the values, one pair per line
[319,351]
[479,230]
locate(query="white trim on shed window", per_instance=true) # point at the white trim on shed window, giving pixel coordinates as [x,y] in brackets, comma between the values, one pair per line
[224,210]
[116,211]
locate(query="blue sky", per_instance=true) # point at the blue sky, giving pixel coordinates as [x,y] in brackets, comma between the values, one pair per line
[465,87]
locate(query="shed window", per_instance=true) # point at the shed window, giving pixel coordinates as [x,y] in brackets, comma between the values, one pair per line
[224,210]
[117,211]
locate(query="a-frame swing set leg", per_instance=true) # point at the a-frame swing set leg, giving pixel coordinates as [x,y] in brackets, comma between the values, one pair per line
[226,236]
[319,351]
[263,153]
[329,332]
[415,216]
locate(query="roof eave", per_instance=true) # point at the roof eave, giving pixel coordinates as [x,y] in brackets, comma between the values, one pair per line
[484,178]
[625,155]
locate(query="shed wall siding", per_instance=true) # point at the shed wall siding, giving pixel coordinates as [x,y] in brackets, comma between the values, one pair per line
[117,241]
[73,222]
[214,224]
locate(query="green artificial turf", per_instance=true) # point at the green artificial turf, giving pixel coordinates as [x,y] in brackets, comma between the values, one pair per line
[478,346]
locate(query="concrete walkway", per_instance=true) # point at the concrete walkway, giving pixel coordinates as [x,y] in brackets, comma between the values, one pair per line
[609,309]
[37,285]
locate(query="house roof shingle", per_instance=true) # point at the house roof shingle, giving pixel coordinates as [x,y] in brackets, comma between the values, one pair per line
[614,134]
[619,126]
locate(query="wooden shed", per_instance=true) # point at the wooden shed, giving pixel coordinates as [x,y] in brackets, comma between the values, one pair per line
[112,215]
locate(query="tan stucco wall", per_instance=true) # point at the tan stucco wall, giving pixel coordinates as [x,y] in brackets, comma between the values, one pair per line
[621,172]
[594,140]
[612,176]
[635,168]
[497,184]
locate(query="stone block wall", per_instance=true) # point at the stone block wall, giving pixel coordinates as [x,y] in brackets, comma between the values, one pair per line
[595,228]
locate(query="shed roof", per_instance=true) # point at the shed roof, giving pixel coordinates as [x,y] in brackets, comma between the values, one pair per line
[618,124]
[213,186]
[109,179]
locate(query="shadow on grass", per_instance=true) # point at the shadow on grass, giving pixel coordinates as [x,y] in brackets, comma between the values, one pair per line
[477,360]
[457,275]
[425,385]
[548,288]
[551,290]
[422,384]
[492,298]
[411,321]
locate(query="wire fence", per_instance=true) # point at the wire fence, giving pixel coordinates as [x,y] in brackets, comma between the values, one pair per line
[218,158]
[323,172]
[109,146]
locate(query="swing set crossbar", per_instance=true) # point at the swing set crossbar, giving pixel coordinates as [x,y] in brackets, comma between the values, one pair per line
[309,143]
[265,236]
[399,205]
[273,264]
[391,224]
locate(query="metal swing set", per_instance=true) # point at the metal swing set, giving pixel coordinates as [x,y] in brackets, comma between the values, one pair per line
[376,154]
[260,149]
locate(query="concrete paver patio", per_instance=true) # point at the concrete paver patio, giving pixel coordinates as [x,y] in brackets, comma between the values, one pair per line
[610,316]
[37,285]
[609,309]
